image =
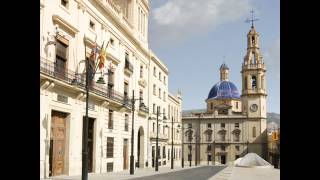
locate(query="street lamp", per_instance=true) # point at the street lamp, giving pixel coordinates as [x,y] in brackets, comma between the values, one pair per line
[157,139]
[133,100]
[84,175]
[172,140]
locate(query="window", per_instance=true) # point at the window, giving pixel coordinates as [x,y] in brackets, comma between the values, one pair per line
[154,72]
[126,90]
[109,147]
[110,122]
[164,112]
[159,155]
[254,58]
[253,40]
[141,96]
[110,167]
[209,125]
[223,148]
[223,137]
[209,136]
[237,137]
[111,41]
[139,20]
[209,148]
[64,3]
[61,58]
[164,152]
[141,71]
[189,125]
[92,25]
[164,80]
[237,148]
[160,76]
[253,131]
[254,82]
[126,122]
[154,108]
[164,96]
[159,93]
[153,124]
[154,90]
[163,130]
[222,125]
[237,105]
[236,125]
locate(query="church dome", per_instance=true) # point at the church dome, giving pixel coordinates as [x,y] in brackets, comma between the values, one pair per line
[224,90]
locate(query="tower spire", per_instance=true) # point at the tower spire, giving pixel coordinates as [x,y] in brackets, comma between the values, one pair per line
[252,19]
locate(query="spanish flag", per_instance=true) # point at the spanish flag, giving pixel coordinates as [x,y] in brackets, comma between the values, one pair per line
[102,57]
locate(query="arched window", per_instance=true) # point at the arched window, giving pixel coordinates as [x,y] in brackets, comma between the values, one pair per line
[253,40]
[254,60]
[254,82]
[254,132]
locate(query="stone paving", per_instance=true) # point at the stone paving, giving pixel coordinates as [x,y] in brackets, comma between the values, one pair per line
[186,173]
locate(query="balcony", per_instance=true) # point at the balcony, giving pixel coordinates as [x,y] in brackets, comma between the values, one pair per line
[67,76]
[142,82]
[143,110]
[128,68]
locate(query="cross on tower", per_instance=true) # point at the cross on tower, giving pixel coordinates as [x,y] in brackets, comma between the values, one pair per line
[252,19]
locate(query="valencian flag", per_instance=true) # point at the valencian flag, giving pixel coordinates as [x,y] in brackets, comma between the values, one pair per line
[92,61]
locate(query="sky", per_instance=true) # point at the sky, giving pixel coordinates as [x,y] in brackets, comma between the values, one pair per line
[193,38]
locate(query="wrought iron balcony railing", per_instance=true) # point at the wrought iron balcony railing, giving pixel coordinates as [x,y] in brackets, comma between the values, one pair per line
[63,74]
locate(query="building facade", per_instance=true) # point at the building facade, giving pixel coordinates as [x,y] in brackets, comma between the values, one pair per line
[70,31]
[233,124]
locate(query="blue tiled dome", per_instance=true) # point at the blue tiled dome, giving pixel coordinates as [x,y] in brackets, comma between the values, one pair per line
[224,90]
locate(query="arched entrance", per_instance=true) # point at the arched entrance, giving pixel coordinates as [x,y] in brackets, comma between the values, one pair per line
[140,147]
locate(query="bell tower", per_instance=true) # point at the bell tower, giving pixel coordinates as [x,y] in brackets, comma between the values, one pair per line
[253,77]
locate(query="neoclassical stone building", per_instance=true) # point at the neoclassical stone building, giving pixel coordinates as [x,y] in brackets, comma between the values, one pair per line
[69,31]
[233,124]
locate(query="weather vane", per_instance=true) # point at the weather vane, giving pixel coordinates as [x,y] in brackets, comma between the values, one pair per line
[252,19]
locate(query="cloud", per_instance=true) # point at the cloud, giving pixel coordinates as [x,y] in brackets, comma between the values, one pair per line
[178,20]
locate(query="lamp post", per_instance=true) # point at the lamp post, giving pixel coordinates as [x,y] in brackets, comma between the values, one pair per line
[182,136]
[133,101]
[84,172]
[157,139]
[172,141]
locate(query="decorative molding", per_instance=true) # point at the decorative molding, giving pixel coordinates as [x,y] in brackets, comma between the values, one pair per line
[61,22]
[114,59]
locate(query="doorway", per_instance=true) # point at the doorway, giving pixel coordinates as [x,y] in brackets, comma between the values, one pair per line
[125,154]
[57,143]
[90,142]
[140,148]
[223,159]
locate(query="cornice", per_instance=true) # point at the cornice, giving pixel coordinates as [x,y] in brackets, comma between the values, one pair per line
[61,22]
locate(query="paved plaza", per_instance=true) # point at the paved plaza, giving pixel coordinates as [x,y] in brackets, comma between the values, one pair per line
[186,173]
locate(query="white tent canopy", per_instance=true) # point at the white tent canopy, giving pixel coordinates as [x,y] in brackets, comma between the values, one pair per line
[252,160]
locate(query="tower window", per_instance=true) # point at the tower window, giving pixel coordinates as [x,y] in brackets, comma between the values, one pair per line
[237,105]
[253,40]
[222,125]
[254,60]
[254,82]
[211,106]
[253,131]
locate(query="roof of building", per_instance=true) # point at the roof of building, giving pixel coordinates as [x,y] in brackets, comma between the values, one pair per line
[224,66]
[224,90]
